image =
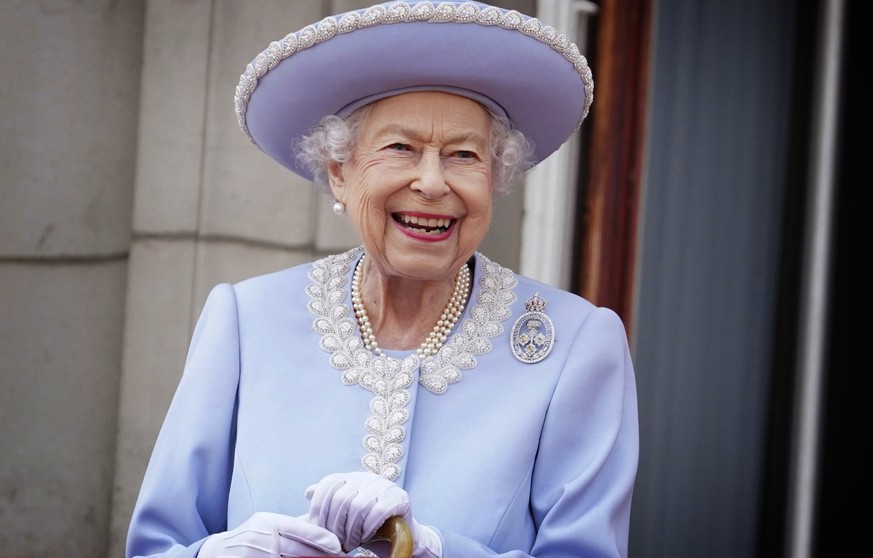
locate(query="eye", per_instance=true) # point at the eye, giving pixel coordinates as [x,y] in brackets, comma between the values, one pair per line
[465,155]
[399,147]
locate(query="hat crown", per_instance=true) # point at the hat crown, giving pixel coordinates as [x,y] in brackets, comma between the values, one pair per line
[404,11]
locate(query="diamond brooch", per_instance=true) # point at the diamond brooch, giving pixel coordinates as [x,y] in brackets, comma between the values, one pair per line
[533,334]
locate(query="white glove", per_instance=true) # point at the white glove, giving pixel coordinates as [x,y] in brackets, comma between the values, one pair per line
[354,505]
[271,535]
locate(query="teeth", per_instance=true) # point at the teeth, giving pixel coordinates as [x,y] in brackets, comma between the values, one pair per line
[425,222]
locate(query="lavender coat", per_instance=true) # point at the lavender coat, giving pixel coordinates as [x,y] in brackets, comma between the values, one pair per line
[500,456]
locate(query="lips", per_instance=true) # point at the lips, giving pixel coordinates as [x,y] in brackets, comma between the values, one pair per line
[422,224]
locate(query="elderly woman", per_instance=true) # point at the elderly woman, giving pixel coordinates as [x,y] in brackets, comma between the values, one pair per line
[412,376]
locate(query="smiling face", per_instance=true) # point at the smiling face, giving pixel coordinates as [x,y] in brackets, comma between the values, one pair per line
[418,186]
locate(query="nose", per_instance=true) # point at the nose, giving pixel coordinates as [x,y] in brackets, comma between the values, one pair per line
[430,178]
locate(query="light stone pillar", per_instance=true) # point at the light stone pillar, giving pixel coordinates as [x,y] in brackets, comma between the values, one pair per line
[209,206]
[68,108]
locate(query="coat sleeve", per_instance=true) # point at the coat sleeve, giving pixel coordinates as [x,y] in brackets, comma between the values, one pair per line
[587,459]
[184,493]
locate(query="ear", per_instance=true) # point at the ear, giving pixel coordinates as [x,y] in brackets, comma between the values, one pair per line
[336,179]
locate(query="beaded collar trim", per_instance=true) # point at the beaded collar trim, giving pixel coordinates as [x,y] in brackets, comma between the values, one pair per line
[399,12]
[387,377]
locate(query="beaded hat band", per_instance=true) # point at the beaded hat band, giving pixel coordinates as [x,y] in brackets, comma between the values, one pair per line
[513,64]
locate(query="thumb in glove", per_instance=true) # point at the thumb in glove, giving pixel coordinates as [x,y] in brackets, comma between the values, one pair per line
[271,535]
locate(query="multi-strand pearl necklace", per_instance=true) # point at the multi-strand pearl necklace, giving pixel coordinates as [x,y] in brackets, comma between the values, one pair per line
[435,339]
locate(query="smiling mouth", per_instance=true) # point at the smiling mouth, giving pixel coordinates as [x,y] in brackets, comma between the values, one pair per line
[424,225]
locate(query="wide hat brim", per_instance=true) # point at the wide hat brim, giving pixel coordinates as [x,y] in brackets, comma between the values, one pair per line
[513,64]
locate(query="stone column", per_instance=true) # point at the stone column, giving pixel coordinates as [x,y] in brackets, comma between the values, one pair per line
[68,109]
[209,206]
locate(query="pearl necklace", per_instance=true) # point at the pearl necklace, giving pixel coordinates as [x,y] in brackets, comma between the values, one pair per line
[440,332]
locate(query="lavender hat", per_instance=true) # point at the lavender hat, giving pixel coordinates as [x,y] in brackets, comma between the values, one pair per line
[515,65]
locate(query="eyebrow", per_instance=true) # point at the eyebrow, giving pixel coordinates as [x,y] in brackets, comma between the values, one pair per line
[478,139]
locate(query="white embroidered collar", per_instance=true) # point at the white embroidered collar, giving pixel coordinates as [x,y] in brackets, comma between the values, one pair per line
[387,377]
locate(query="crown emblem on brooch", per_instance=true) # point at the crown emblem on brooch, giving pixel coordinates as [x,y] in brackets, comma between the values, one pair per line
[536,303]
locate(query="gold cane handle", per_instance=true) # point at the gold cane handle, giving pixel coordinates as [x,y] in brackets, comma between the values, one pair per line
[397,531]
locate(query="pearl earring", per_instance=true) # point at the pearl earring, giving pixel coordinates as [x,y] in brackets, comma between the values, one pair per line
[339,207]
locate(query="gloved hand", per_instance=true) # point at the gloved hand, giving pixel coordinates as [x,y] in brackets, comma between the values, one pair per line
[354,505]
[271,535]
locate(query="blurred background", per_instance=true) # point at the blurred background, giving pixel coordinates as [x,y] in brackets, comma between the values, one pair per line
[707,199]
